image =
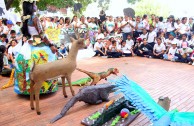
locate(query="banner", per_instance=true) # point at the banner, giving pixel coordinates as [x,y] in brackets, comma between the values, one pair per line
[3,10]
[53,34]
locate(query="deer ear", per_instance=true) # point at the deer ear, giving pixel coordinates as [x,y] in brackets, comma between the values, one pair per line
[72,39]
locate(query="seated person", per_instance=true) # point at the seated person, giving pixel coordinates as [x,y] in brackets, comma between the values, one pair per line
[137,44]
[11,57]
[184,53]
[5,69]
[126,50]
[191,59]
[159,49]
[130,41]
[145,49]
[113,51]
[3,38]
[191,42]
[98,46]
[171,53]
[62,50]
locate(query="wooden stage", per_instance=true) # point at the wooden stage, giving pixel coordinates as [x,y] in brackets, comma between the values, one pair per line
[159,78]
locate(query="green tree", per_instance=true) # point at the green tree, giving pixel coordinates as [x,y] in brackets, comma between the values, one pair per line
[42,4]
[151,7]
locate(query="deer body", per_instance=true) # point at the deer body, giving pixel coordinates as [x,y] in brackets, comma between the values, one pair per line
[61,68]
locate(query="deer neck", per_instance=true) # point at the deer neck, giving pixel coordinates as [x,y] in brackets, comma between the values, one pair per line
[73,53]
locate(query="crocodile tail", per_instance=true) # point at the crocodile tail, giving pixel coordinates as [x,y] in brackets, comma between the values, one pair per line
[69,104]
[86,72]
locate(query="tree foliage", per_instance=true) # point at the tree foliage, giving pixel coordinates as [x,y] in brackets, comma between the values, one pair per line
[151,7]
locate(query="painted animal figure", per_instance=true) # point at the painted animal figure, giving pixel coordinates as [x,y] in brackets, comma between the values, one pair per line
[89,94]
[99,76]
[61,68]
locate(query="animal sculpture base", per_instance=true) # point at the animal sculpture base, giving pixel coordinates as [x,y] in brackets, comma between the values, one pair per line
[106,117]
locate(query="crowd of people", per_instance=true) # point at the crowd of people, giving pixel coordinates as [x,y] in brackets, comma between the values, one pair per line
[113,37]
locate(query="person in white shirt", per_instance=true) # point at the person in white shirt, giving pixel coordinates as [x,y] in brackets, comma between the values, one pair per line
[10,51]
[170,26]
[184,27]
[191,42]
[7,29]
[170,40]
[139,26]
[146,22]
[151,36]
[126,26]
[130,41]
[3,38]
[98,46]
[171,53]
[114,51]
[110,26]
[126,49]
[159,49]
[144,35]
[160,25]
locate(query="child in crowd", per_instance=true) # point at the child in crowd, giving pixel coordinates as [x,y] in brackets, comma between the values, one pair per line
[98,47]
[171,53]
[137,44]
[191,42]
[113,51]
[126,49]
[145,49]
[130,41]
[10,48]
[159,49]
[151,36]
[5,69]
[3,38]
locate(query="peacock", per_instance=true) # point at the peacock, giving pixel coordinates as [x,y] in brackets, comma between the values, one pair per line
[144,103]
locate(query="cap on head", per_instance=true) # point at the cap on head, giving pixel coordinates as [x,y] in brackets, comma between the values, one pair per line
[9,22]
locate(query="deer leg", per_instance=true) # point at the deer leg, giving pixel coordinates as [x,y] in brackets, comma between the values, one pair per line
[64,90]
[32,94]
[69,82]
[37,88]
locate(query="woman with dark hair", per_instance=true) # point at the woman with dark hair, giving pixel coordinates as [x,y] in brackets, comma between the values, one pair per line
[61,23]
[170,26]
[145,21]
[82,27]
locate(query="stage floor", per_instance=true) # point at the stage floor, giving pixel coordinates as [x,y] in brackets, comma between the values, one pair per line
[157,77]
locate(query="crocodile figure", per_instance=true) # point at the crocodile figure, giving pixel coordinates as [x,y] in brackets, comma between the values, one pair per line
[96,77]
[90,94]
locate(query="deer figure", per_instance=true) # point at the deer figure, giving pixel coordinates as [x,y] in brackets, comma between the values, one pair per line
[60,68]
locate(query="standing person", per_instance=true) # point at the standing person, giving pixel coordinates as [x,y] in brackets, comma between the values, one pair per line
[184,27]
[170,26]
[8,28]
[74,21]
[102,16]
[139,26]
[82,27]
[159,49]
[110,26]
[160,25]
[1,26]
[191,27]
[145,21]
[145,49]
[151,36]
[61,23]
[126,27]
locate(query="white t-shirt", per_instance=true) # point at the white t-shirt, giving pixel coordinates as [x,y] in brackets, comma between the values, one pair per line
[191,42]
[184,28]
[110,25]
[172,51]
[146,25]
[126,49]
[97,44]
[127,27]
[10,50]
[169,27]
[168,41]
[6,29]
[160,26]
[113,49]
[142,36]
[130,42]
[151,37]
[139,26]
[159,48]
[3,43]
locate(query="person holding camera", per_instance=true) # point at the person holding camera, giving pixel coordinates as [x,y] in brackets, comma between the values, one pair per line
[127,26]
